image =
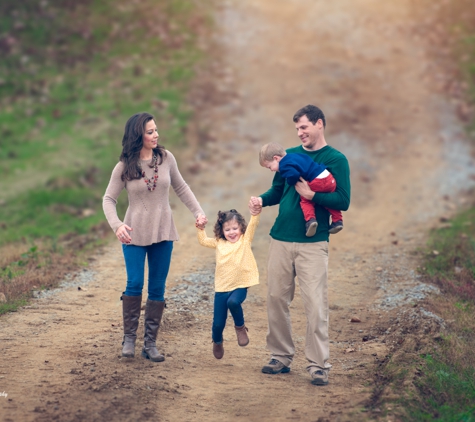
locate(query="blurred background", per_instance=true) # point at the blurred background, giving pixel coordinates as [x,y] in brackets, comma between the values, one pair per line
[72,72]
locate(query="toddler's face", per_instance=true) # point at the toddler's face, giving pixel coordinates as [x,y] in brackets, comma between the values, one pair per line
[272,165]
[232,231]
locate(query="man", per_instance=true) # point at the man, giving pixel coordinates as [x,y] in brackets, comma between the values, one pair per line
[293,254]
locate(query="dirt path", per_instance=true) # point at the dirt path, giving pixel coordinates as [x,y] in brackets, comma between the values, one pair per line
[359,61]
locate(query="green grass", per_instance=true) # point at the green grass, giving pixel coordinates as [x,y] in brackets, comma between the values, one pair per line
[70,76]
[450,257]
[450,392]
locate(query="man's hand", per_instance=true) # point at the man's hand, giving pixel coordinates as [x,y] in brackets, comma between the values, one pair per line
[255,205]
[304,190]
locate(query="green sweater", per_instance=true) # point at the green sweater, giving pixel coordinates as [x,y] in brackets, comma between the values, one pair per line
[290,224]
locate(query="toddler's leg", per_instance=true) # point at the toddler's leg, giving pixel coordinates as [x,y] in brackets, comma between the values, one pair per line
[337,221]
[308,209]
[235,300]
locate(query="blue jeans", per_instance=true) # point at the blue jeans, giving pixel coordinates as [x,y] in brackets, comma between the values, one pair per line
[222,302]
[159,257]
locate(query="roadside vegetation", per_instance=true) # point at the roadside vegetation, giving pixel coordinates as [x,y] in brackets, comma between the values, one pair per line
[430,375]
[71,74]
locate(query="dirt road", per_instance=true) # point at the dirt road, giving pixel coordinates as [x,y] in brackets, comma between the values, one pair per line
[359,61]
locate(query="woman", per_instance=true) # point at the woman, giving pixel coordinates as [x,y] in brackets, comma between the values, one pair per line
[146,171]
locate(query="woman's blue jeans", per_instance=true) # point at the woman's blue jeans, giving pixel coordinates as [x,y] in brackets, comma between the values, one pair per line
[222,302]
[158,257]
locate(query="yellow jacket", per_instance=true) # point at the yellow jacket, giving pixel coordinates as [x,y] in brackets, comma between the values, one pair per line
[236,266]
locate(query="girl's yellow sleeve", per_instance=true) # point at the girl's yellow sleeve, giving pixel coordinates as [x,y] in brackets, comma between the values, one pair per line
[209,242]
[251,228]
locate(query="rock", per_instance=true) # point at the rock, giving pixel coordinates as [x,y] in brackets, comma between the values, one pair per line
[3,298]
[355,319]
[350,350]
[378,269]
[434,252]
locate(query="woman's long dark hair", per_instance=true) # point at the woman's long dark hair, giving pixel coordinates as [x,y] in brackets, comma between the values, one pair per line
[132,143]
[225,216]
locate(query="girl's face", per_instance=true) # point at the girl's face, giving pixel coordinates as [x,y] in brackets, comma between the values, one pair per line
[232,231]
[150,136]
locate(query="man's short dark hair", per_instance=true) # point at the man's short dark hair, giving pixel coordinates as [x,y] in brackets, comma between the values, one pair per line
[312,112]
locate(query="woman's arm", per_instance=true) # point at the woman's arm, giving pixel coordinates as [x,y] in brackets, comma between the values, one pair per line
[109,201]
[209,242]
[182,189]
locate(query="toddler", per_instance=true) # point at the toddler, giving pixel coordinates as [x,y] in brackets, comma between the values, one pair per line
[236,271]
[294,166]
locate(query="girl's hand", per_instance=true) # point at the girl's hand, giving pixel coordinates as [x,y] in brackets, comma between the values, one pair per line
[123,235]
[255,205]
[201,221]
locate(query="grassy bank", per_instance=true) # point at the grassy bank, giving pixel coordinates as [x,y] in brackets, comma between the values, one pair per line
[70,76]
[430,374]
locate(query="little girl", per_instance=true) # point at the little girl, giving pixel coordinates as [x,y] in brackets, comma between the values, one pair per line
[236,270]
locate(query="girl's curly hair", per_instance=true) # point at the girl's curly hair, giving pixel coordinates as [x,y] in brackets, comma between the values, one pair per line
[225,216]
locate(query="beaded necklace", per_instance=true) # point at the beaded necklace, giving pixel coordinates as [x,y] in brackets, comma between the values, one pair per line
[152,182]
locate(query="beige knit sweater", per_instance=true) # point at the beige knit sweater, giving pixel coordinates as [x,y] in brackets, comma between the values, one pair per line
[149,213]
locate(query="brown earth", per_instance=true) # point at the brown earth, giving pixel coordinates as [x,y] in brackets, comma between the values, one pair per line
[360,61]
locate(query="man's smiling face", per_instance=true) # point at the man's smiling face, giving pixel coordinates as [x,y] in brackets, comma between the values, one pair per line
[308,132]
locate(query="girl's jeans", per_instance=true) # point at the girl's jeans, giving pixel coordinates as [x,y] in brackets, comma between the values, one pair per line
[158,256]
[222,302]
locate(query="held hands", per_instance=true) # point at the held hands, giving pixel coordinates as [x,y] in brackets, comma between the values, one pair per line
[304,190]
[255,205]
[201,221]
[123,235]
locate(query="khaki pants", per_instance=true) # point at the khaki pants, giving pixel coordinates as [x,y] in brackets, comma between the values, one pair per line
[309,262]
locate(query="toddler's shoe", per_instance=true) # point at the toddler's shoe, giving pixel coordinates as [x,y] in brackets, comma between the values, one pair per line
[218,350]
[242,338]
[336,227]
[311,227]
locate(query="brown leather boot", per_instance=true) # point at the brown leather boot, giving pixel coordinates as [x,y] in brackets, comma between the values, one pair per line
[131,315]
[242,338]
[153,317]
[218,350]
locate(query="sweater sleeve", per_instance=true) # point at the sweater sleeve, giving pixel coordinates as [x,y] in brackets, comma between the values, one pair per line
[182,189]
[109,201]
[209,242]
[340,199]
[251,228]
[274,194]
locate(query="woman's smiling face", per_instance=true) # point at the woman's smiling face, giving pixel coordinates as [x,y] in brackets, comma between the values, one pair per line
[150,136]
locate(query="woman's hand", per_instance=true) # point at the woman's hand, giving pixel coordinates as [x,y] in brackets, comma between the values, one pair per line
[201,221]
[255,205]
[122,234]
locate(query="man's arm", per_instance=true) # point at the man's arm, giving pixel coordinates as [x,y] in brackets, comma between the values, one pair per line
[338,200]
[274,194]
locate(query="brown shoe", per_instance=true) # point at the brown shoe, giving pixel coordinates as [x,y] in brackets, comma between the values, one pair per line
[242,338]
[218,350]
